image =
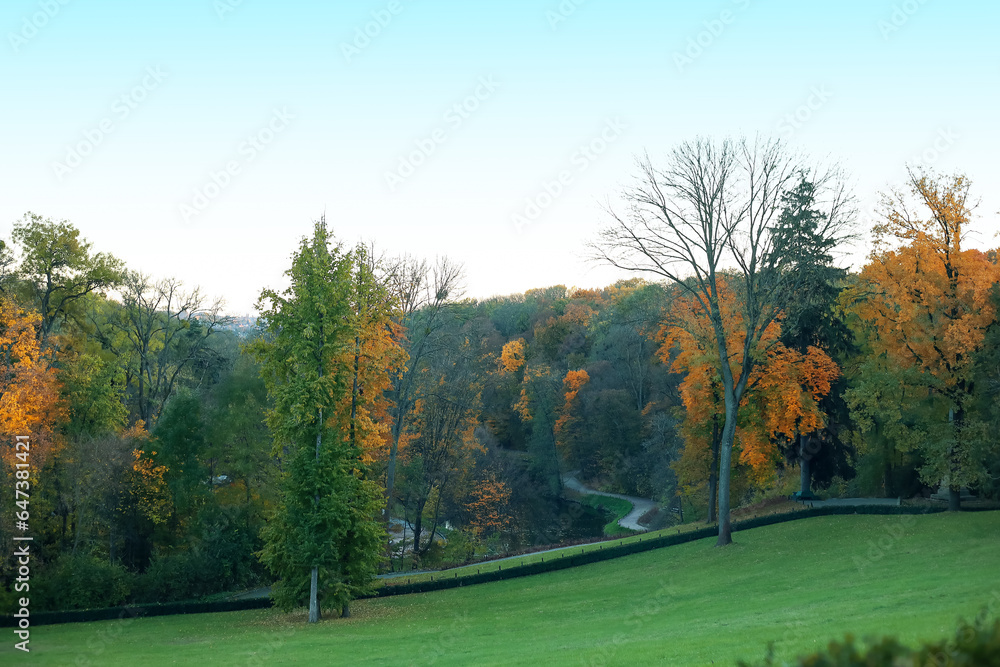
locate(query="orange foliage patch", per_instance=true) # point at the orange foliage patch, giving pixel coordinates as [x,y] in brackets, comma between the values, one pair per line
[783,390]
[29,388]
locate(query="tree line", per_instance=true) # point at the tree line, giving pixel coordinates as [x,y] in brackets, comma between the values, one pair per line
[375,411]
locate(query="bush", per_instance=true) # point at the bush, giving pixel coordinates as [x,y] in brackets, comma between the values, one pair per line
[460,548]
[8,600]
[174,577]
[83,582]
[221,559]
[973,646]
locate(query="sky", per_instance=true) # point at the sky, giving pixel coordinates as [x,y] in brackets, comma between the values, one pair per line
[199,139]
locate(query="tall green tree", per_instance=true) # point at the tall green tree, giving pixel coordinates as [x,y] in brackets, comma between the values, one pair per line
[323,541]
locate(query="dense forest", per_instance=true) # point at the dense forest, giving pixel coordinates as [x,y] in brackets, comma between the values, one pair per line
[163,456]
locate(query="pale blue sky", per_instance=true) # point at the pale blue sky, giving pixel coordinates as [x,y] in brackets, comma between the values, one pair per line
[176,91]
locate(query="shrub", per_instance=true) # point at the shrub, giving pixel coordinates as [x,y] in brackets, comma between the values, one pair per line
[83,582]
[221,558]
[973,646]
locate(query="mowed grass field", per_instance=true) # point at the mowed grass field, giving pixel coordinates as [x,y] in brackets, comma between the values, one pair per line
[798,584]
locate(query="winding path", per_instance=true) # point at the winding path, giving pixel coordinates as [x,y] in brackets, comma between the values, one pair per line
[631,520]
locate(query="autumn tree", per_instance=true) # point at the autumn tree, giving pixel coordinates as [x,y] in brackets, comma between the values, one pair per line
[423,293]
[987,378]
[322,541]
[569,422]
[489,506]
[512,357]
[715,207]
[29,389]
[441,455]
[374,359]
[922,301]
[537,405]
[116,493]
[780,401]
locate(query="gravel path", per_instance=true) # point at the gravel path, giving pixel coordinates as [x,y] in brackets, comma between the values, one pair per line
[631,520]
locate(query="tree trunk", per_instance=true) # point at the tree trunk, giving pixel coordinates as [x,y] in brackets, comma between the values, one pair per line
[354,390]
[954,490]
[346,611]
[954,499]
[887,476]
[805,474]
[725,466]
[314,578]
[418,526]
[713,494]
[313,595]
[713,475]
[804,479]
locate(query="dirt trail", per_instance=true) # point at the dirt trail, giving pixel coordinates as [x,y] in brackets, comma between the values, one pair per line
[631,520]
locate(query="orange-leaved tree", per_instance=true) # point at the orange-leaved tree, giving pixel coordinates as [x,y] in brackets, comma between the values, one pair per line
[568,424]
[489,505]
[781,401]
[145,489]
[29,388]
[512,357]
[374,358]
[922,302]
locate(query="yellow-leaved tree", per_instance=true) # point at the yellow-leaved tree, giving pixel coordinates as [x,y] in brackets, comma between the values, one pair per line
[922,303]
[29,388]
[782,399]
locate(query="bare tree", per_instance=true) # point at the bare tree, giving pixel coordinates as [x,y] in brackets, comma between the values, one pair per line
[713,210]
[161,329]
[423,292]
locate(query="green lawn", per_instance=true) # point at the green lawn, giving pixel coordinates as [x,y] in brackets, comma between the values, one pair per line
[617,506]
[685,605]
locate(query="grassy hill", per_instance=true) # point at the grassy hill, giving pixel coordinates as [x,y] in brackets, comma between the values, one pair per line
[798,584]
